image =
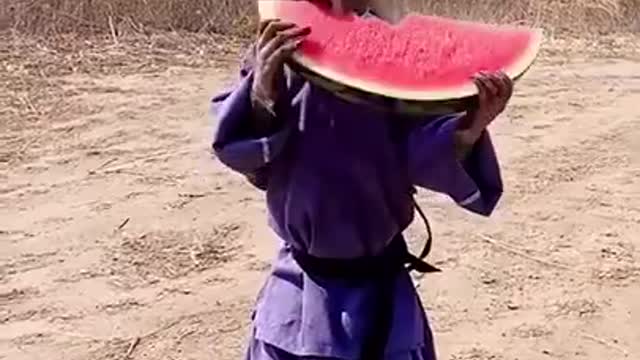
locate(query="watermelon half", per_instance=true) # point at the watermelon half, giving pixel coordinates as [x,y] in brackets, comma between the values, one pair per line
[423,63]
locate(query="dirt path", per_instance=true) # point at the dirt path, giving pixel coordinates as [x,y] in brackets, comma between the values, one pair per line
[116,225]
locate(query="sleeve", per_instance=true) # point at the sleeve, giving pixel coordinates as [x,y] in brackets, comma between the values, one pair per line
[474,183]
[237,143]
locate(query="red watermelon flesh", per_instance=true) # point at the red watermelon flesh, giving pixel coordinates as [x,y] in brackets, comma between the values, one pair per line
[423,58]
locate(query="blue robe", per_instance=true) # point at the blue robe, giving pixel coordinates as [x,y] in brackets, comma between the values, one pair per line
[339,179]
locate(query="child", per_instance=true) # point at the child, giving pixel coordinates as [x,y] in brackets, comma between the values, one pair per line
[339,178]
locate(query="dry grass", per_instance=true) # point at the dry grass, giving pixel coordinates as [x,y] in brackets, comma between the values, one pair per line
[31,69]
[559,16]
[236,17]
[118,16]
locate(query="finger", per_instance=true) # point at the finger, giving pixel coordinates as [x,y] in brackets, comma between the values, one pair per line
[497,80]
[271,30]
[482,90]
[492,84]
[299,31]
[281,38]
[263,25]
[281,54]
[507,85]
[486,89]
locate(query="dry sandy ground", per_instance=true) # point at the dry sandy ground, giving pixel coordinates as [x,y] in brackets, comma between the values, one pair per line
[119,234]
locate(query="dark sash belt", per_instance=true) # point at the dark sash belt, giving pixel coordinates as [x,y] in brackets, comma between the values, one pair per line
[382,268]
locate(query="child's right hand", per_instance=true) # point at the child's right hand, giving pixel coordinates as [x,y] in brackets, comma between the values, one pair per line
[277,40]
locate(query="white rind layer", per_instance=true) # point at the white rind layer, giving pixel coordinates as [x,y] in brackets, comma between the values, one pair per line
[268,10]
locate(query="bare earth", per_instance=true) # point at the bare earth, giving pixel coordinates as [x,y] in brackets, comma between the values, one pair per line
[121,236]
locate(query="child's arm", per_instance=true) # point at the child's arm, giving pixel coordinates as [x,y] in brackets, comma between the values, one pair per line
[454,155]
[473,182]
[247,137]
[251,129]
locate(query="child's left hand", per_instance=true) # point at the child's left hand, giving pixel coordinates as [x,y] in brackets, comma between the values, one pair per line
[494,92]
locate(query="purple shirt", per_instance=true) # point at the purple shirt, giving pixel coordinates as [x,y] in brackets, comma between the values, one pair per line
[340,184]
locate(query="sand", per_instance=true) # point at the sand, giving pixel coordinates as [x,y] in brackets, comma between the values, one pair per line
[121,236]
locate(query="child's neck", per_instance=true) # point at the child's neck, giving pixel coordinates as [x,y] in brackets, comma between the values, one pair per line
[389,10]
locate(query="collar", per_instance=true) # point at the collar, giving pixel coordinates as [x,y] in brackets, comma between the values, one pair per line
[368,12]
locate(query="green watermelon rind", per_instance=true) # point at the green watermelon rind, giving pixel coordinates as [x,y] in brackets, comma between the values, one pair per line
[388,103]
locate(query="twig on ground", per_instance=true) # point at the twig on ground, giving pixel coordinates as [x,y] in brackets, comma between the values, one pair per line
[161,329]
[136,27]
[131,164]
[132,347]
[75,18]
[27,101]
[123,224]
[186,334]
[112,28]
[194,258]
[103,165]
[193,196]
[136,341]
[522,253]
[123,170]
[230,329]
[28,144]
[605,343]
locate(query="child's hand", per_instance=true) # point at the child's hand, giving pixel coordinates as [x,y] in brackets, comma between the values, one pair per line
[494,93]
[277,40]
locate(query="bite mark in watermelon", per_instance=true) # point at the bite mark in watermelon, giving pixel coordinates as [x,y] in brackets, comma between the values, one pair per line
[422,58]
